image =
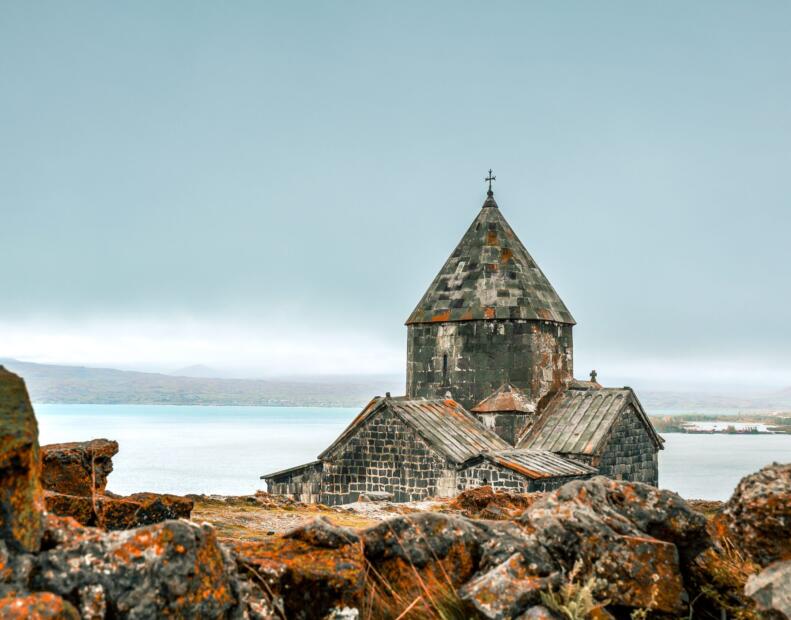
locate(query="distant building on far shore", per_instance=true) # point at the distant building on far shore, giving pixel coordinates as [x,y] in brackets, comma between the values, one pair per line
[733,428]
[490,394]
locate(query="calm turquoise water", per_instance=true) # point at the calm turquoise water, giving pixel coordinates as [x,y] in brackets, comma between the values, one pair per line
[183,449]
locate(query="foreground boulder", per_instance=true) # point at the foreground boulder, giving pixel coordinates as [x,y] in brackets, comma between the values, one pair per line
[54,568]
[75,478]
[758,515]
[37,606]
[309,572]
[627,545]
[486,503]
[771,589]
[173,569]
[620,538]
[114,512]
[21,496]
[78,468]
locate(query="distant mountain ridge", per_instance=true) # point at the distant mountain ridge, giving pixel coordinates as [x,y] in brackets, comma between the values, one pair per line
[49,383]
[197,370]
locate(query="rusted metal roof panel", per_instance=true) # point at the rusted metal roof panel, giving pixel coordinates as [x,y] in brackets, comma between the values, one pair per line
[507,398]
[490,275]
[292,470]
[577,421]
[447,427]
[537,464]
[443,424]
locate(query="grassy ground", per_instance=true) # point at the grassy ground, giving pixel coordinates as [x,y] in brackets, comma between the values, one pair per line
[243,520]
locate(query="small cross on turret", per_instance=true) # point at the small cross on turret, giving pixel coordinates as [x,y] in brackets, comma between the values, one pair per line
[594,374]
[489,179]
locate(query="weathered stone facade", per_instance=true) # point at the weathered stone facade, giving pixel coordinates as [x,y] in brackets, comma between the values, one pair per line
[416,449]
[300,483]
[485,473]
[385,454]
[630,453]
[490,317]
[508,426]
[471,359]
[490,394]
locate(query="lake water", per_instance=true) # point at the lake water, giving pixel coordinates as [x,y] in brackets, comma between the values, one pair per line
[224,450]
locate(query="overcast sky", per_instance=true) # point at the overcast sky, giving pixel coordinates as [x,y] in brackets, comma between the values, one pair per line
[270,187]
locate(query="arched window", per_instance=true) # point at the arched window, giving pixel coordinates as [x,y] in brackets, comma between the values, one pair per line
[445,369]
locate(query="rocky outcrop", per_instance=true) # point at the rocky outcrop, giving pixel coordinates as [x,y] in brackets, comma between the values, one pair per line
[620,539]
[78,468]
[171,569]
[37,606]
[21,497]
[113,512]
[758,515]
[55,568]
[308,572]
[75,478]
[756,520]
[771,590]
[602,545]
[486,503]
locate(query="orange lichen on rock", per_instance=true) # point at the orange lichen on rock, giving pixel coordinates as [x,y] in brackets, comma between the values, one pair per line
[507,589]
[177,568]
[484,502]
[77,468]
[312,569]
[119,513]
[641,573]
[758,515]
[21,495]
[37,606]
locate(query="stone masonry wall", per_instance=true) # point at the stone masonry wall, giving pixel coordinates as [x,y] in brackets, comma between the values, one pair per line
[303,485]
[385,455]
[509,426]
[486,473]
[630,453]
[471,359]
[498,477]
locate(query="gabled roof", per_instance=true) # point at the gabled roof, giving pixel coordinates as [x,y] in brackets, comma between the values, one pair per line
[490,275]
[506,398]
[578,421]
[535,464]
[444,424]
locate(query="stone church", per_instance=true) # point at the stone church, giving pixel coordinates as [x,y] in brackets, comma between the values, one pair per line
[490,394]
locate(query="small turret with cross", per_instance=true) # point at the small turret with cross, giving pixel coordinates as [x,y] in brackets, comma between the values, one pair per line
[489,179]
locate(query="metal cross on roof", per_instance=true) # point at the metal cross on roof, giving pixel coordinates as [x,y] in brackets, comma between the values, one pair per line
[490,178]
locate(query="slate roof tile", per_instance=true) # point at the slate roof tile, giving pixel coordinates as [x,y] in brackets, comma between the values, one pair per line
[474,283]
[535,464]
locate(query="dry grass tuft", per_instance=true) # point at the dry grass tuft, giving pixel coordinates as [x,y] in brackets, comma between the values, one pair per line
[575,600]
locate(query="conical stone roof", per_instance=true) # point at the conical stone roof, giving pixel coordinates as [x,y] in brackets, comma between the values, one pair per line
[490,275]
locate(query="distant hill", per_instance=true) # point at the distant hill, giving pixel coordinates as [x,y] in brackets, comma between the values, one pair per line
[76,384]
[708,402]
[197,370]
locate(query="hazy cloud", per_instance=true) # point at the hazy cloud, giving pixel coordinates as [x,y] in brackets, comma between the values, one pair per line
[290,178]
